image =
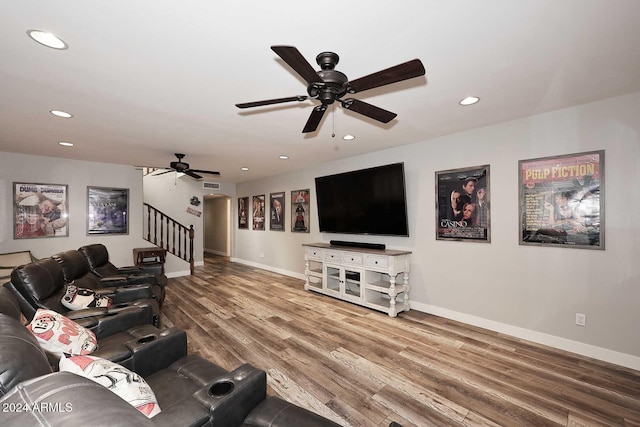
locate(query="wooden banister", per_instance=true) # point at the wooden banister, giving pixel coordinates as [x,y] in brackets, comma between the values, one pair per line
[167,227]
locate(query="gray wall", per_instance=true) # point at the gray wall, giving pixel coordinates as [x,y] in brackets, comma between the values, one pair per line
[77,175]
[526,291]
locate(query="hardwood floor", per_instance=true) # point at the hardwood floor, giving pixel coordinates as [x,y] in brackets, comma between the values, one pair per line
[360,367]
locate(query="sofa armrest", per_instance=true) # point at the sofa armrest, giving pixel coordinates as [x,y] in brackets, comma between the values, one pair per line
[126,293]
[275,412]
[231,397]
[106,322]
[155,352]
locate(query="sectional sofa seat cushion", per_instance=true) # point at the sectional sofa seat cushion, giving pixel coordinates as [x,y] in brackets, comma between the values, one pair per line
[130,386]
[77,298]
[60,335]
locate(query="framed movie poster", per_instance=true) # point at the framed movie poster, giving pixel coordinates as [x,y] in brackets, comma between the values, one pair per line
[243,212]
[276,219]
[258,212]
[463,208]
[300,211]
[561,200]
[40,210]
[108,210]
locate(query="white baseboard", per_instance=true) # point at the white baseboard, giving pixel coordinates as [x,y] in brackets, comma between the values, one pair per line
[583,349]
[184,272]
[269,268]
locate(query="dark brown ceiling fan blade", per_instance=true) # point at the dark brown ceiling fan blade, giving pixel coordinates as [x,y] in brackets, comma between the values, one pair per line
[368,110]
[314,119]
[298,98]
[405,71]
[192,174]
[203,171]
[294,58]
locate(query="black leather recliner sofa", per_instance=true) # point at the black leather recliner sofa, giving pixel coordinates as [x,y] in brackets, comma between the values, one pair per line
[189,390]
[123,336]
[41,284]
[97,257]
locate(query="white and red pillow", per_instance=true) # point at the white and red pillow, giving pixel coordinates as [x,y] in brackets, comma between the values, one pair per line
[78,298]
[123,382]
[60,335]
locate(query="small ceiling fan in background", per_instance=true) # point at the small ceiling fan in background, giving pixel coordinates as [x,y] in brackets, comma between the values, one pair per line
[329,85]
[183,167]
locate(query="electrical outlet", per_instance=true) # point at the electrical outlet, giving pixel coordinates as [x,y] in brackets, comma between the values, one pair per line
[261,254]
[581,319]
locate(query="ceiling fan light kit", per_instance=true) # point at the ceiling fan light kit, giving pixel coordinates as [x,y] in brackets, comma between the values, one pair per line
[329,85]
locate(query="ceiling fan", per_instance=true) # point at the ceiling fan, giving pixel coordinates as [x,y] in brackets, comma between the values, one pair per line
[329,85]
[183,167]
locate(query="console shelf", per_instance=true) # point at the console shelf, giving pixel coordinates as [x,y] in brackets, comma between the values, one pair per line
[373,278]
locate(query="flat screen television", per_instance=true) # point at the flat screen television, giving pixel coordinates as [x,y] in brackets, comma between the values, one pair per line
[367,201]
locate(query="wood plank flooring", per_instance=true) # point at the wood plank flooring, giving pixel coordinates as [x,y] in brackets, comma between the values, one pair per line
[360,367]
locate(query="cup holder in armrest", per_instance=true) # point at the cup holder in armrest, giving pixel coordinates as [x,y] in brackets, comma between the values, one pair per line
[146,339]
[220,388]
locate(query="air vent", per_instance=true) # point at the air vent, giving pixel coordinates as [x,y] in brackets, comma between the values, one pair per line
[211,185]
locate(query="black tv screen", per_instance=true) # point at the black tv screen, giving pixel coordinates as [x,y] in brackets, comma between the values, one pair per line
[367,201]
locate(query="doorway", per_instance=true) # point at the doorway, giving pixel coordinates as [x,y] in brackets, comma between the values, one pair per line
[217,225]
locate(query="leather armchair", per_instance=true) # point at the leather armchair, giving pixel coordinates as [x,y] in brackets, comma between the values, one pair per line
[97,258]
[41,284]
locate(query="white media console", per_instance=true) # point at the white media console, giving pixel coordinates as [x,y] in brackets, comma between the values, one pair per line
[374,278]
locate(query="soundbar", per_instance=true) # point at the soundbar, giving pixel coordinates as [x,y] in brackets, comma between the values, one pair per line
[379,246]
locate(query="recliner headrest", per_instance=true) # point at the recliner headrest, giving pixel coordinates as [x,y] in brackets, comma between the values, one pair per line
[39,279]
[21,356]
[74,264]
[96,254]
[9,304]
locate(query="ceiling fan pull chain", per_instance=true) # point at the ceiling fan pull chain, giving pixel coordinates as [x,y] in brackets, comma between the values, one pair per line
[333,118]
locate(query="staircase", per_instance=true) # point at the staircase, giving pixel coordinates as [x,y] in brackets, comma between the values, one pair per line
[169,234]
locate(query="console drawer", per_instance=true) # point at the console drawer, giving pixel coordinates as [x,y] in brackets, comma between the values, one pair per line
[314,253]
[374,261]
[332,256]
[351,258]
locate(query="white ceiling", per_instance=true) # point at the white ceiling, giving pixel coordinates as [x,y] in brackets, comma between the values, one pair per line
[149,78]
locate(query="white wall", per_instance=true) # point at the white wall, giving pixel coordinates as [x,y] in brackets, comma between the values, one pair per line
[526,291]
[77,175]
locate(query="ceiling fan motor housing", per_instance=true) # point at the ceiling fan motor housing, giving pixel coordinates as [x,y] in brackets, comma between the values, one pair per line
[333,86]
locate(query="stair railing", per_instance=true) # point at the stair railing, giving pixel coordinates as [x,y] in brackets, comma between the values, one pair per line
[160,223]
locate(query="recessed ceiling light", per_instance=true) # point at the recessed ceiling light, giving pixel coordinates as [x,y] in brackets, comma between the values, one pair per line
[244,169]
[284,157]
[66,144]
[348,137]
[47,39]
[61,114]
[469,100]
